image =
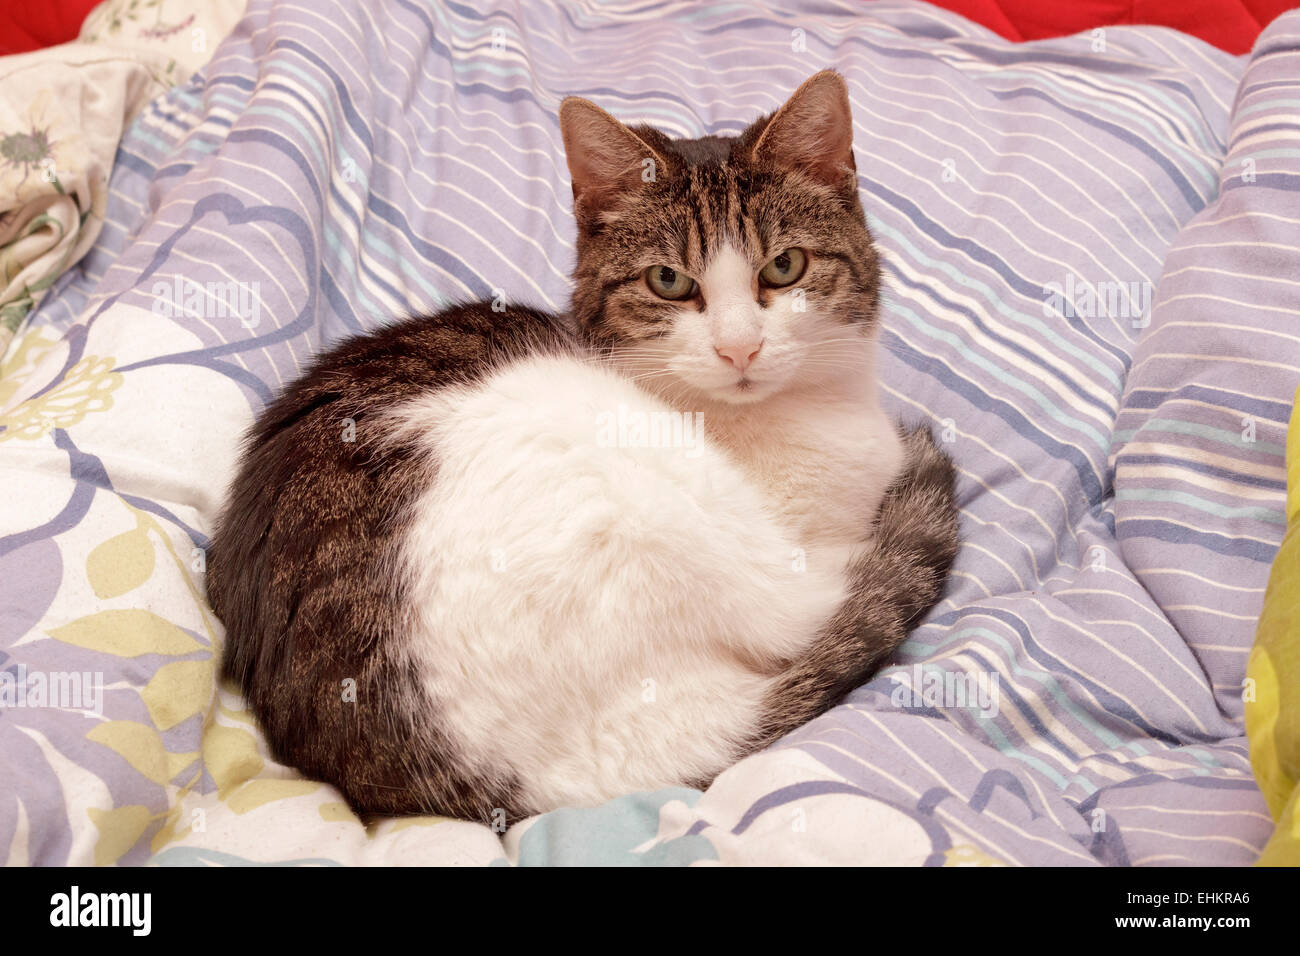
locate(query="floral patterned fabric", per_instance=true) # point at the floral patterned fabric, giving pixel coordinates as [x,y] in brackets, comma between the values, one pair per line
[62,112]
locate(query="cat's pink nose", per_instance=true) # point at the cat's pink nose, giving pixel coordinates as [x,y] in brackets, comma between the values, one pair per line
[741,356]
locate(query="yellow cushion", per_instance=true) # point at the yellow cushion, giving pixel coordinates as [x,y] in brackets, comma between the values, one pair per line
[1273,679]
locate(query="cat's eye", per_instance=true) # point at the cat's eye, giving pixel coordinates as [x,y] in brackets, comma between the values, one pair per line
[784,269]
[667,283]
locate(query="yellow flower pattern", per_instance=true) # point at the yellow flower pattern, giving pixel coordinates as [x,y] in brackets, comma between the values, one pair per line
[87,388]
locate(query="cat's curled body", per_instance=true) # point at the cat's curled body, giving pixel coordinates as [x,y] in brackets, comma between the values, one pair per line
[484,561]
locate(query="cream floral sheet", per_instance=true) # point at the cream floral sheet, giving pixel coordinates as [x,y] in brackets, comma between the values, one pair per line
[63,111]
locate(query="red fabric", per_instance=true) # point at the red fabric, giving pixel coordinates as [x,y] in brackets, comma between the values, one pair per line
[1231,25]
[34,24]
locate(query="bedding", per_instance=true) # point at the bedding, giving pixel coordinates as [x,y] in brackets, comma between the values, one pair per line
[1091,258]
[1231,25]
[62,112]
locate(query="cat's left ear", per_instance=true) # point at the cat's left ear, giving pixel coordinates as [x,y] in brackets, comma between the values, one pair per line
[813,133]
[606,159]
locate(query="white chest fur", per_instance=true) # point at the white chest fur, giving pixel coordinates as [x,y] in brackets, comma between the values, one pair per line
[596,618]
[824,460]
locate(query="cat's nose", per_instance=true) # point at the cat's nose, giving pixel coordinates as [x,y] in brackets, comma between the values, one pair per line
[741,356]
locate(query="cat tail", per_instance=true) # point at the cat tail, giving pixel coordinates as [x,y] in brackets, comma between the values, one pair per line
[891,588]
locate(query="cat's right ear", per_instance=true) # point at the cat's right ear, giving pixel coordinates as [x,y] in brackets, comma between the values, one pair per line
[606,159]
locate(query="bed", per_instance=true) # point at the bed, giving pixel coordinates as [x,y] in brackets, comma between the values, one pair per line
[1091,270]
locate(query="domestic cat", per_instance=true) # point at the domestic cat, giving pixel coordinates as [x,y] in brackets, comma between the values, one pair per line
[488,563]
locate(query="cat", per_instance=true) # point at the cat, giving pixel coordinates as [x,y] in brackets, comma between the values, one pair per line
[486,564]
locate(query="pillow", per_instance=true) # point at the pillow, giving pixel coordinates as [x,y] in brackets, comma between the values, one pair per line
[1273,679]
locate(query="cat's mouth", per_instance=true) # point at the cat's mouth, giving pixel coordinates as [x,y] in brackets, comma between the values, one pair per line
[744,388]
[742,391]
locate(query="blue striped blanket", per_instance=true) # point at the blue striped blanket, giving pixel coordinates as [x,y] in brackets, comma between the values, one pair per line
[1092,279]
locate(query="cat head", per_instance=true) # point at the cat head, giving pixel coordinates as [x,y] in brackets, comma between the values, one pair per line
[732,268]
